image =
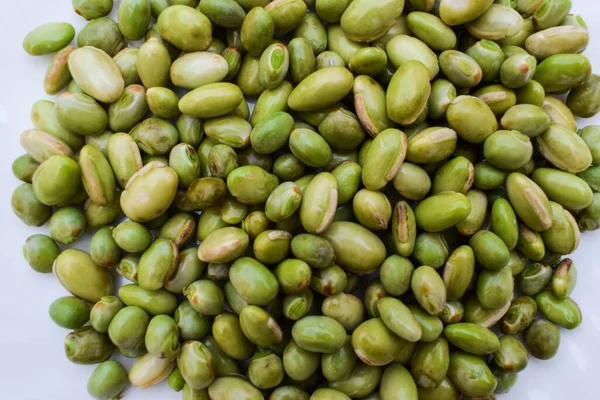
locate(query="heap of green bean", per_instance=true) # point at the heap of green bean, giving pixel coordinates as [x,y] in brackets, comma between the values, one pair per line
[406,181]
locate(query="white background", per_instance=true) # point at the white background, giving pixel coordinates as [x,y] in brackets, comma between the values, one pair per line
[32,360]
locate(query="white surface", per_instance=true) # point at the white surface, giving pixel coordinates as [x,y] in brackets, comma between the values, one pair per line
[33,364]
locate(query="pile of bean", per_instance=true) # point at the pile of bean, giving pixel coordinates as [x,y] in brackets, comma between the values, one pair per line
[359,234]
